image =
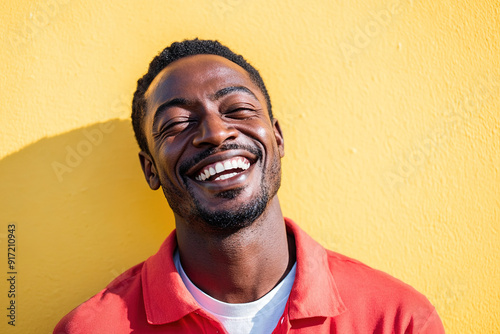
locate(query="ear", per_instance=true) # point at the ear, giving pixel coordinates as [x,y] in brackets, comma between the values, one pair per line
[279,137]
[149,170]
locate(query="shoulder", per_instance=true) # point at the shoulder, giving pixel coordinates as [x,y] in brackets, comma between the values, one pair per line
[354,276]
[351,274]
[380,297]
[107,309]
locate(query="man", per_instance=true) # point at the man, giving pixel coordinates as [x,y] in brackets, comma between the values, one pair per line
[202,117]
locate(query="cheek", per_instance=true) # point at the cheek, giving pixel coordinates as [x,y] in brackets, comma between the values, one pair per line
[168,157]
[266,137]
[261,132]
[173,153]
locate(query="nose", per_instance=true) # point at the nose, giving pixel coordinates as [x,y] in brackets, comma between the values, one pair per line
[213,130]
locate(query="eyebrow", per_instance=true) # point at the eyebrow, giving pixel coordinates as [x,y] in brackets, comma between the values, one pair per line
[179,101]
[231,89]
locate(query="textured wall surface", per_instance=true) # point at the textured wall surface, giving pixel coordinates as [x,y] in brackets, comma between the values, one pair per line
[390,110]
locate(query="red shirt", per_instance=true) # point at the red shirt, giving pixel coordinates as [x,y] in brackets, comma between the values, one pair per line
[331,294]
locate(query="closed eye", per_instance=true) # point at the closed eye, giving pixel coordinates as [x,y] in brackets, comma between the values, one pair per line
[174,127]
[241,113]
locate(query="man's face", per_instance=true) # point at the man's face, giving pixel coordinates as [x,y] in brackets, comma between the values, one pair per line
[214,150]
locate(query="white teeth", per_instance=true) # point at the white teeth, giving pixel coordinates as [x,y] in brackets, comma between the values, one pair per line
[243,165]
[220,167]
[225,176]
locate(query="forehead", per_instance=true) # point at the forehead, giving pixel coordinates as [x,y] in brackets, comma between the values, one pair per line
[194,77]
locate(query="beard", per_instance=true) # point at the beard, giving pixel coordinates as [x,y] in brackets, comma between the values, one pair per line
[233,219]
[246,214]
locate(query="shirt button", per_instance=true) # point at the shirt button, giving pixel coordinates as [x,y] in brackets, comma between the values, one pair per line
[282,320]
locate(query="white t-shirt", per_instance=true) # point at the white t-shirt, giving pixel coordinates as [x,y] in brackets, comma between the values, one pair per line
[260,316]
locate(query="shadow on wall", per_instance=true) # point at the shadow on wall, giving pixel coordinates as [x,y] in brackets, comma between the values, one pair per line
[83,214]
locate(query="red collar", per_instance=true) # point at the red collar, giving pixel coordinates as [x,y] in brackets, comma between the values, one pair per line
[314,293]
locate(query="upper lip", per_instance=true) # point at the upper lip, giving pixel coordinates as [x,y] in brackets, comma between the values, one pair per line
[217,157]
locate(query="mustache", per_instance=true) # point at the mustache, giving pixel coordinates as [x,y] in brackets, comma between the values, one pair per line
[186,165]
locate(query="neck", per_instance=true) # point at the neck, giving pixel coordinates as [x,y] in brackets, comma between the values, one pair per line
[239,267]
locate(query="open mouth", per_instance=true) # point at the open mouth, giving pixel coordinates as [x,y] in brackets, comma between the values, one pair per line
[223,170]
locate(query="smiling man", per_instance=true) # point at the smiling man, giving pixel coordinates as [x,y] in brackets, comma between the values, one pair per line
[203,120]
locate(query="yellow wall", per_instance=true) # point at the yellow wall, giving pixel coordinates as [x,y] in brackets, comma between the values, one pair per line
[390,110]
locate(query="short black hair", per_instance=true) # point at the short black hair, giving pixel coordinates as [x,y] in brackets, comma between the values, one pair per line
[178,50]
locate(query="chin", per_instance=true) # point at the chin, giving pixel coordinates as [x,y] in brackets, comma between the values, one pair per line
[233,218]
[230,194]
